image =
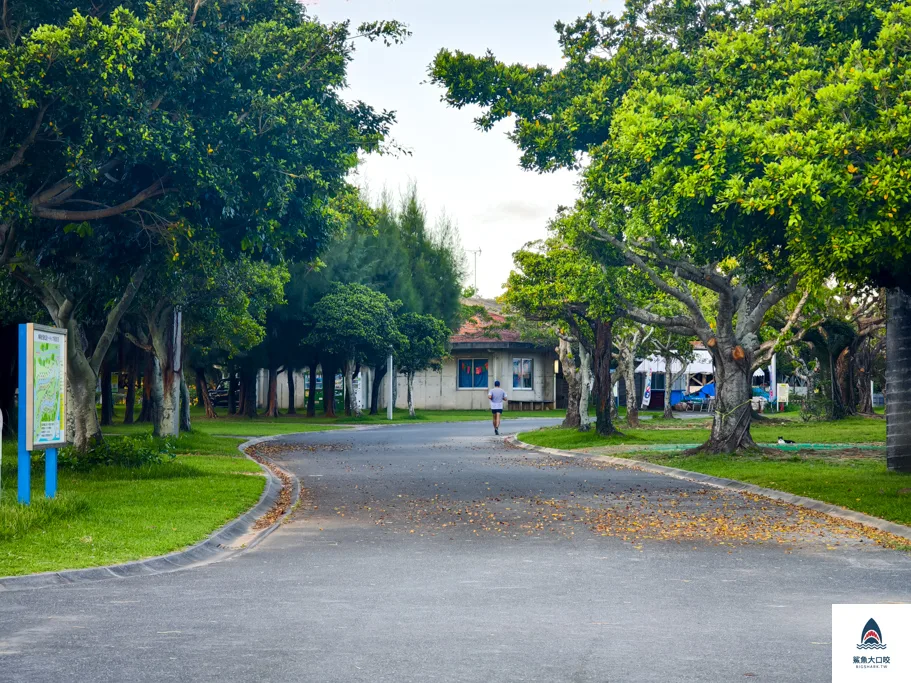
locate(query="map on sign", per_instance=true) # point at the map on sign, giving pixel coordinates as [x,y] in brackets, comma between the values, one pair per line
[48,388]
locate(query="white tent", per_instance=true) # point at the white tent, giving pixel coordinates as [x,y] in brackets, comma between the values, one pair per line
[702,363]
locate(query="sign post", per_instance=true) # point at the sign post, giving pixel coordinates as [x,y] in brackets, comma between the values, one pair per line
[42,403]
[783,391]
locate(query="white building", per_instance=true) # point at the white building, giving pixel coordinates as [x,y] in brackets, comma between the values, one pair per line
[479,356]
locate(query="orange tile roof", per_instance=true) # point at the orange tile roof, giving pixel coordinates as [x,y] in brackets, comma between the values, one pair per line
[476,330]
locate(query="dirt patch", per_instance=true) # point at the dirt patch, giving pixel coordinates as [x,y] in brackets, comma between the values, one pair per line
[284,496]
[278,449]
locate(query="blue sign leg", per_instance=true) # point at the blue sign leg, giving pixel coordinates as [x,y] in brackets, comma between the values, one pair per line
[25,476]
[25,459]
[50,472]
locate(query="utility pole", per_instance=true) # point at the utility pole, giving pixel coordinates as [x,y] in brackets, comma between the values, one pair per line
[476,252]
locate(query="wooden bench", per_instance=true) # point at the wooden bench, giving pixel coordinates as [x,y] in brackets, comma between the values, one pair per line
[529,405]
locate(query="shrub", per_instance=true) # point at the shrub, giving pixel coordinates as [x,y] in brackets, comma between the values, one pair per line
[815,406]
[126,451]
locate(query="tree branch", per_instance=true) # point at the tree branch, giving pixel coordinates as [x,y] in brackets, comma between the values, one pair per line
[701,327]
[114,318]
[154,190]
[136,342]
[19,154]
[751,322]
[767,348]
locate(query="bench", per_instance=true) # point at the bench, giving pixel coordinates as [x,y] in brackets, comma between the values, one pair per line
[529,405]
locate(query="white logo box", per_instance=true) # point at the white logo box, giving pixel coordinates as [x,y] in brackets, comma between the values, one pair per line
[885,655]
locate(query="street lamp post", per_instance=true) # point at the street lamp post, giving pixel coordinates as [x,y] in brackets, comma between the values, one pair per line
[476,252]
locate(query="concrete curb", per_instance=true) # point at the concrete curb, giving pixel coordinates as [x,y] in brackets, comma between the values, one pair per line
[731,485]
[215,548]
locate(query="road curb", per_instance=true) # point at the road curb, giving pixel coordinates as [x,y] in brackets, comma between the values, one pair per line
[731,485]
[214,548]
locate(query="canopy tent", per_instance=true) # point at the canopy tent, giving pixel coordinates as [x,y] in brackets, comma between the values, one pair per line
[697,380]
[701,363]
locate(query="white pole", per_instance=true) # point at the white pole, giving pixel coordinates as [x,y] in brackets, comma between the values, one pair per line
[773,382]
[391,378]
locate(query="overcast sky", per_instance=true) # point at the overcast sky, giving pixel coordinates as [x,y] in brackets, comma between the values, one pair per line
[473,176]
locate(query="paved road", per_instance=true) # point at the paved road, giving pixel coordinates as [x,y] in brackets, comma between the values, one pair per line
[435,553]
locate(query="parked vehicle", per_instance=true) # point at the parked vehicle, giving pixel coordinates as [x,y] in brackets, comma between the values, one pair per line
[219,395]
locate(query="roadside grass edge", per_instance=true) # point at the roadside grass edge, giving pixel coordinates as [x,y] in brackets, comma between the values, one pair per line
[899,530]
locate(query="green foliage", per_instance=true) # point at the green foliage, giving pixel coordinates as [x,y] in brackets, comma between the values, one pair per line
[127,451]
[354,322]
[815,406]
[424,343]
[402,256]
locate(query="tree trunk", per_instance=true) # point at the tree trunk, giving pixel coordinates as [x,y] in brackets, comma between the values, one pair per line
[163,337]
[378,374]
[248,390]
[353,401]
[129,410]
[311,396]
[585,382]
[329,392]
[292,410]
[898,380]
[410,377]
[668,385]
[107,395]
[628,361]
[185,423]
[156,392]
[148,404]
[232,393]
[570,374]
[272,400]
[600,365]
[81,397]
[202,393]
[733,395]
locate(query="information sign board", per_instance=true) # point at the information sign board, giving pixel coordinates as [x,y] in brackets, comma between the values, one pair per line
[45,387]
[783,390]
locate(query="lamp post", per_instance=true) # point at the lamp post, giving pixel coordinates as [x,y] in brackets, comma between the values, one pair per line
[476,252]
[391,377]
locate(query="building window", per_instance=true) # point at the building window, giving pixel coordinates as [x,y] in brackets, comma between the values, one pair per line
[522,377]
[658,381]
[473,373]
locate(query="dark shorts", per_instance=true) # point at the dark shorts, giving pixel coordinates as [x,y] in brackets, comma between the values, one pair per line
[495,411]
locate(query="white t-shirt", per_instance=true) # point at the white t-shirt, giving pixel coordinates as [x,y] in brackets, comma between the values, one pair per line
[496,397]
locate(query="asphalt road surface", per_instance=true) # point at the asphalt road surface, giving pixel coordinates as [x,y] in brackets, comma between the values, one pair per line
[435,553]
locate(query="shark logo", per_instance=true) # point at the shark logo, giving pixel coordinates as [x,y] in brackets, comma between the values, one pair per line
[872,637]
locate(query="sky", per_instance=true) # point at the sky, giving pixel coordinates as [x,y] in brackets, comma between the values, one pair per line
[472,176]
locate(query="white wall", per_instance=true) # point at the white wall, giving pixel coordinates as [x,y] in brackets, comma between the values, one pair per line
[439,390]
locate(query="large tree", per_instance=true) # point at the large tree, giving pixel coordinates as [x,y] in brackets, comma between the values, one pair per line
[423,345]
[354,323]
[836,157]
[184,120]
[553,282]
[634,96]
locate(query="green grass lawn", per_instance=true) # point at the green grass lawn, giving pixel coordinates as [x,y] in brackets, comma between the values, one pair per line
[851,430]
[861,484]
[854,479]
[115,514]
[232,425]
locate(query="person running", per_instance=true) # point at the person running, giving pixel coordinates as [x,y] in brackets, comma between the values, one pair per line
[496,396]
